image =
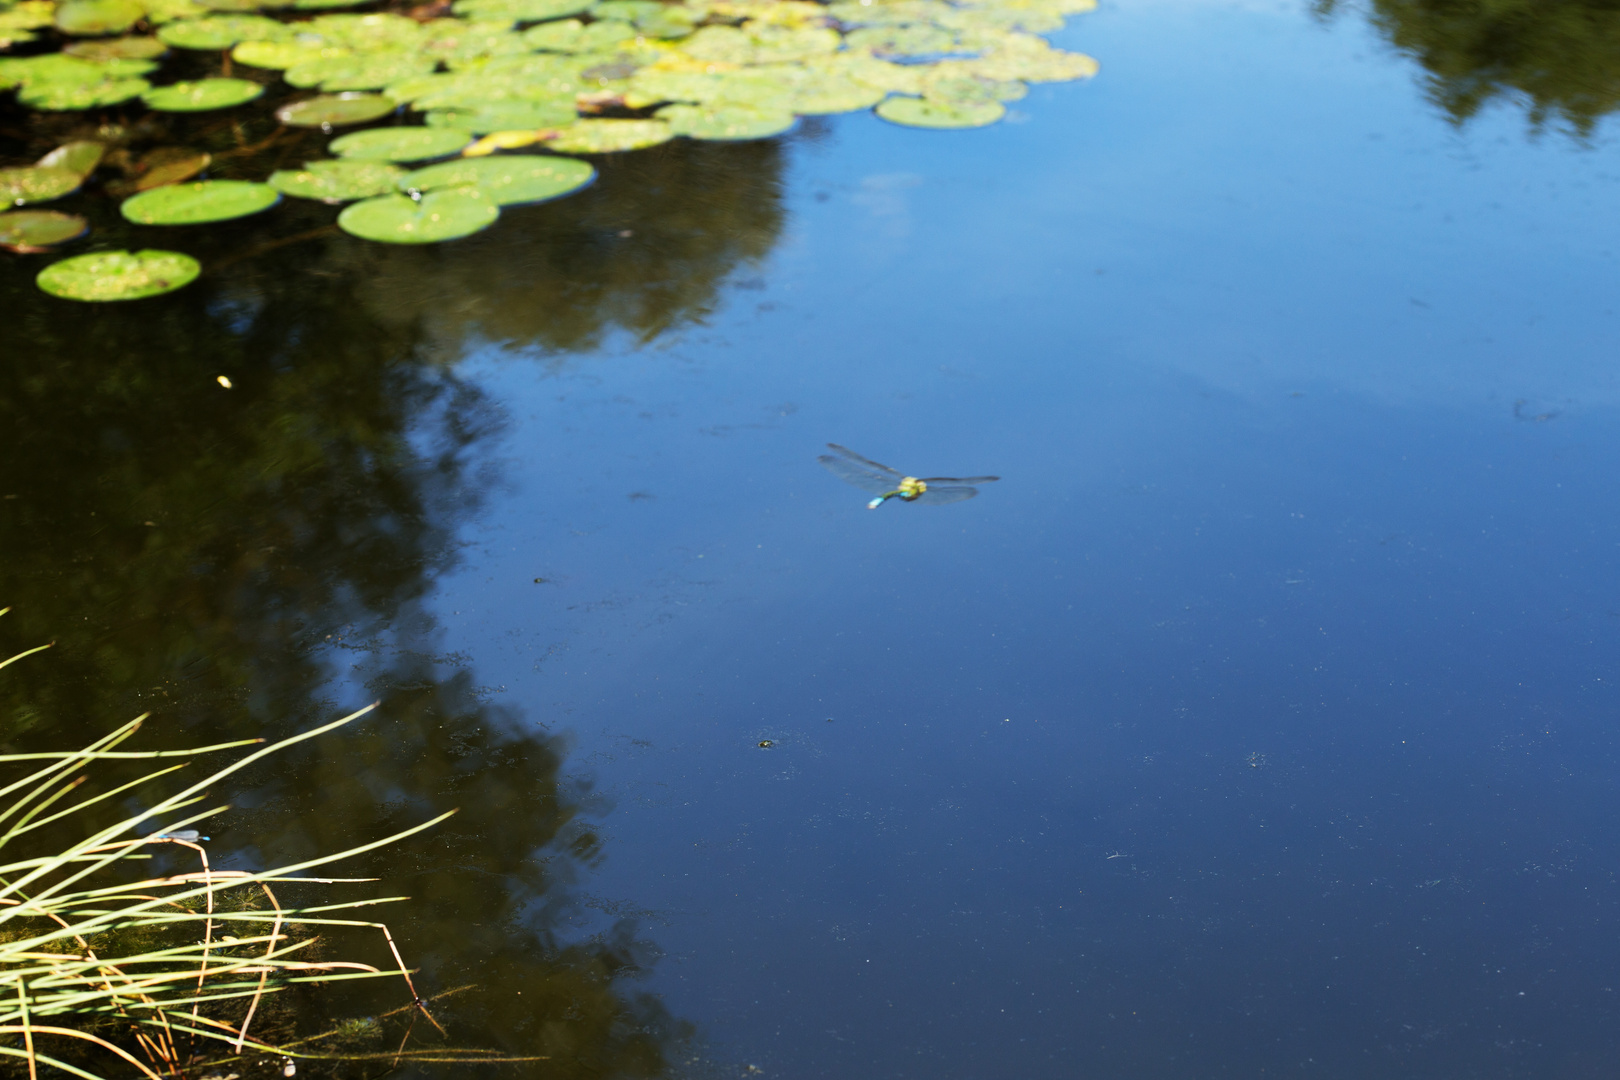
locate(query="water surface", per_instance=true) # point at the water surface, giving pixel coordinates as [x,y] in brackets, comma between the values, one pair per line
[1256,722]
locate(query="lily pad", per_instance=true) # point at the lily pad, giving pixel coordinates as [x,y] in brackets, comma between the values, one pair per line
[363,72]
[95,18]
[925,113]
[36,230]
[337,181]
[335,110]
[124,48]
[118,275]
[222,31]
[834,94]
[514,117]
[519,10]
[400,143]
[37,184]
[80,157]
[505,180]
[324,5]
[916,39]
[611,136]
[199,203]
[73,96]
[436,216]
[725,121]
[281,55]
[202,95]
[165,165]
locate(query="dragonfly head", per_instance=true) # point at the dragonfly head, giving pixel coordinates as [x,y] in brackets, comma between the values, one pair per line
[911,487]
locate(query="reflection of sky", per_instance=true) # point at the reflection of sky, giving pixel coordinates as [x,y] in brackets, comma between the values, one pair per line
[1255,720]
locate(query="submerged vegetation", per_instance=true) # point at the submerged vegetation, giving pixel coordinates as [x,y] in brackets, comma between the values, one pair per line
[1561,57]
[499,87]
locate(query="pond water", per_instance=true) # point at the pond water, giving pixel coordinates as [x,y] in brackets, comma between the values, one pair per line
[1258,721]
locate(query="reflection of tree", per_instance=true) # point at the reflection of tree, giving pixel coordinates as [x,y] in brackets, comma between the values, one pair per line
[1563,55]
[191,548]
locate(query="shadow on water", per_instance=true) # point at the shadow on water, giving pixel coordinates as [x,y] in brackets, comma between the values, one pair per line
[1560,57]
[243,561]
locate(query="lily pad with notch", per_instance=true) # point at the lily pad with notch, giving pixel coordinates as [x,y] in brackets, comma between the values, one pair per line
[118,275]
[400,143]
[336,110]
[199,203]
[32,231]
[281,55]
[338,181]
[506,180]
[435,217]
[203,95]
[360,72]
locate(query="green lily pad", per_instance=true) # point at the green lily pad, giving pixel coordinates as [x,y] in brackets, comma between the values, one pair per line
[400,219]
[720,44]
[514,117]
[562,36]
[35,16]
[125,48]
[222,31]
[366,72]
[610,136]
[1034,63]
[324,5]
[916,39]
[73,96]
[379,30]
[202,95]
[37,184]
[925,113]
[337,181]
[234,7]
[281,55]
[36,230]
[651,87]
[519,10]
[96,18]
[80,157]
[335,110]
[508,180]
[400,143]
[118,275]
[199,203]
[835,94]
[159,12]
[725,121]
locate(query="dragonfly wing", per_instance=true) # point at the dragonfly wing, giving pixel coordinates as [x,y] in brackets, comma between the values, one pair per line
[868,462]
[959,479]
[938,496]
[878,483]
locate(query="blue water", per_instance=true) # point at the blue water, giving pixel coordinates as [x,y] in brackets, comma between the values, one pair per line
[1258,721]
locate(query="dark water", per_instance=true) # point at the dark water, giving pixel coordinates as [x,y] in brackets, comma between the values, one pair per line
[1258,722]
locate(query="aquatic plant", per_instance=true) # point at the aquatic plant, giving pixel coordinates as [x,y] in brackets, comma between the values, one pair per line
[109,958]
[472,79]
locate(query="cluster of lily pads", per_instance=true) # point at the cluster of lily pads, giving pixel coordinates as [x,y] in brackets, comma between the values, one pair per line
[479,99]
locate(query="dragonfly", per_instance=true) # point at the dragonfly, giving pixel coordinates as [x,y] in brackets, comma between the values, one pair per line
[887,483]
[185,836]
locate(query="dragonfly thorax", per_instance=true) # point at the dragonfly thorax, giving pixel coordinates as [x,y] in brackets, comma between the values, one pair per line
[911,487]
